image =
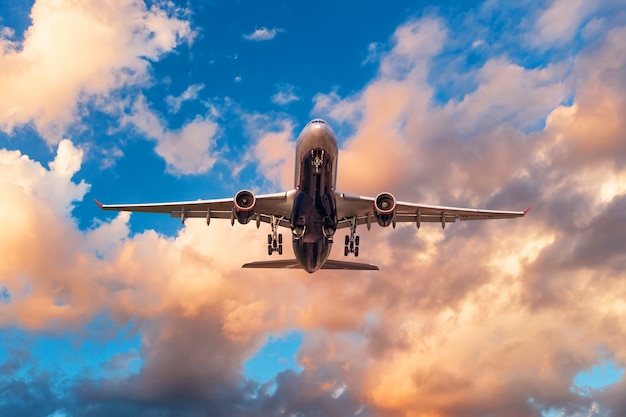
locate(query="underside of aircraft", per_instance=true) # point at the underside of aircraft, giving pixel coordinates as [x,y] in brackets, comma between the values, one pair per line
[314,210]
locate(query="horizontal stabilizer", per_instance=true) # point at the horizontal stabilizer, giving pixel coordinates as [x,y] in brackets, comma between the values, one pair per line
[287,263]
[332,264]
[294,264]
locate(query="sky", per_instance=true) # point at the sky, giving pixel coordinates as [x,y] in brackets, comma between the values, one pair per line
[481,104]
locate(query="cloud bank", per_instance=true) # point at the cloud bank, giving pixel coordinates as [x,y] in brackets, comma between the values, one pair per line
[76,52]
[479,319]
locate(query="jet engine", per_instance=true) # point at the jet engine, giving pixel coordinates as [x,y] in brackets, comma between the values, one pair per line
[243,208]
[385,209]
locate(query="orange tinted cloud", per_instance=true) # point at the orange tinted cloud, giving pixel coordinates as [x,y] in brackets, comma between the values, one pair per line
[478,319]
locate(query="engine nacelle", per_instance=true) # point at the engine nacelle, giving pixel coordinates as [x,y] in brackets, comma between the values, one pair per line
[385,209]
[243,208]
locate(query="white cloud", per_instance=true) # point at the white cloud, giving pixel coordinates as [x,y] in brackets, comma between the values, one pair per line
[74,51]
[68,159]
[273,150]
[187,150]
[53,188]
[374,51]
[285,94]
[262,34]
[191,93]
[560,22]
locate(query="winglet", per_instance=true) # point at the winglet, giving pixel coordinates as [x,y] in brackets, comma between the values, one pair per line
[527,210]
[99,203]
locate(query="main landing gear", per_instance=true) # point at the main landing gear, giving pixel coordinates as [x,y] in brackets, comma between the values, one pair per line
[352,241]
[274,239]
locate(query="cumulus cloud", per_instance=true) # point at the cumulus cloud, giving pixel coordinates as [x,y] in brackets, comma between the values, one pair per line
[190,93]
[68,159]
[285,94]
[187,150]
[75,51]
[263,34]
[560,22]
[480,150]
[273,151]
[493,318]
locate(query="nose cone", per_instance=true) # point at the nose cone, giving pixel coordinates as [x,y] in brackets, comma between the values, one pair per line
[318,128]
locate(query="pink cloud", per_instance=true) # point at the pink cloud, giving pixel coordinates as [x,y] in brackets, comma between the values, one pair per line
[478,319]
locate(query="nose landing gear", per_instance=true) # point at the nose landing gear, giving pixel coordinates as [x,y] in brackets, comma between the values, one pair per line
[352,241]
[317,159]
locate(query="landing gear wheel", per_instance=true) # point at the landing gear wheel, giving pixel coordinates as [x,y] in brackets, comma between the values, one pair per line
[280,239]
[347,240]
[280,249]
[269,249]
[356,251]
[345,251]
[356,241]
[269,239]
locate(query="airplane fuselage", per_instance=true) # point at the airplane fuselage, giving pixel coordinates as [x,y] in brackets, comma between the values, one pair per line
[314,213]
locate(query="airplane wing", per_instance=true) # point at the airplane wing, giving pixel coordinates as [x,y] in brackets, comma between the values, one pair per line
[362,208]
[278,205]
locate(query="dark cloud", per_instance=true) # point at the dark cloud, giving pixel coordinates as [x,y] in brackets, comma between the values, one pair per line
[477,320]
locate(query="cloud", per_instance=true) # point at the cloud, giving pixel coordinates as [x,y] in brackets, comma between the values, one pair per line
[560,22]
[285,94]
[482,318]
[191,93]
[485,150]
[263,34]
[274,148]
[186,151]
[374,52]
[74,52]
[68,159]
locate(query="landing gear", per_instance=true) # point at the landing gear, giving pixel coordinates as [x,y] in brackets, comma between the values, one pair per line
[317,159]
[274,239]
[352,241]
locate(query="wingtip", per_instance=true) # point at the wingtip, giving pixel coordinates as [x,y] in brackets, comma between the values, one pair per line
[527,210]
[98,203]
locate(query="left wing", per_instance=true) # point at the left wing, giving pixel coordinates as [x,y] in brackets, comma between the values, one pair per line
[277,205]
[362,208]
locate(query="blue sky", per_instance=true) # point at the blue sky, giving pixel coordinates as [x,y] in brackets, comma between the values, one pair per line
[475,103]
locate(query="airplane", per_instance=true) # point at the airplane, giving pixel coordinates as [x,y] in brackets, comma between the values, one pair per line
[314,210]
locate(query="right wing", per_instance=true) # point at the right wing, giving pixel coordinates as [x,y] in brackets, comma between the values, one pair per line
[278,205]
[362,209]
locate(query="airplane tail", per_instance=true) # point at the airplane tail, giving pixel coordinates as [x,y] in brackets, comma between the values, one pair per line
[294,264]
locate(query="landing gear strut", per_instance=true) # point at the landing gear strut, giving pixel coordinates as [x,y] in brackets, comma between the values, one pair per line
[352,241]
[274,239]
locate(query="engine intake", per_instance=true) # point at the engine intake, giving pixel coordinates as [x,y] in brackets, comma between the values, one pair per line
[385,209]
[243,208]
